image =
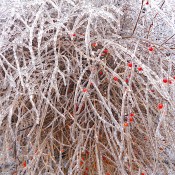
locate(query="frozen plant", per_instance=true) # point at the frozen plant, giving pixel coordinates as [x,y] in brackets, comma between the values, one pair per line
[87,87]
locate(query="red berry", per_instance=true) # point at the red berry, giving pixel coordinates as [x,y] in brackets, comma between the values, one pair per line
[115,79]
[126,80]
[131,115]
[102,54]
[160,106]
[24,164]
[129,64]
[108,174]
[142,173]
[165,80]
[174,77]
[94,44]
[150,49]
[84,90]
[105,51]
[147,3]
[87,168]
[101,73]
[139,68]
[74,34]
[125,124]
[81,163]
[170,82]
[131,119]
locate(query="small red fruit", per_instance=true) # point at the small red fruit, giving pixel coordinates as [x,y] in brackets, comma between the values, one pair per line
[81,163]
[94,44]
[105,51]
[129,64]
[139,68]
[160,106]
[131,119]
[126,80]
[125,124]
[170,82]
[165,80]
[100,73]
[108,174]
[131,115]
[174,77]
[147,3]
[84,90]
[115,79]
[142,173]
[102,55]
[24,164]
[73,34]
[150,49]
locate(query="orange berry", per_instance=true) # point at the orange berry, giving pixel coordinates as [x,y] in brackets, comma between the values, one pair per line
[125,124]
[94,44]
[160,106]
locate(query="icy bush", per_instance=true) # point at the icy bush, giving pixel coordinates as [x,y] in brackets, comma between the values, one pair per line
[87,87]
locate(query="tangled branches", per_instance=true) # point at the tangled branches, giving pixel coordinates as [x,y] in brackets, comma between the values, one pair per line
[87,87]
